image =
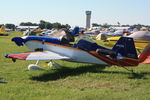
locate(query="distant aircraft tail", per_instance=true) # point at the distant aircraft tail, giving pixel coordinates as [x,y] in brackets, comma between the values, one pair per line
[75,31]
[144,57]
[126,48]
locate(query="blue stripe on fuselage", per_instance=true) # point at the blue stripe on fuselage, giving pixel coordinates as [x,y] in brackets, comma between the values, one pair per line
[43,39]
[82,44]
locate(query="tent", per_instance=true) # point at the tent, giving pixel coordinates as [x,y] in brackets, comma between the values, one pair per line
[39,30]
[3,32]
[101,36]
[141,35]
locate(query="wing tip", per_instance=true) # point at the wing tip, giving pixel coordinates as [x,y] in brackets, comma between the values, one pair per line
[6,55]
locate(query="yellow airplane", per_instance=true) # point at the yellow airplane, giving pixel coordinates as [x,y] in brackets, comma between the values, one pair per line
[139,44]
[3,32]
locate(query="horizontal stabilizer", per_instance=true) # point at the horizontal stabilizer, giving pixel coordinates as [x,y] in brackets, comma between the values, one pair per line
[145,55]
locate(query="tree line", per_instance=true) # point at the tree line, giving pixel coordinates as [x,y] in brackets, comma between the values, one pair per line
[43,25]
[47,25]
[9,26]
[106,25]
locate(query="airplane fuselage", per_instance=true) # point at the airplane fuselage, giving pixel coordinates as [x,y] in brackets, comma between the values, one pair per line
[75,54]
[82,51]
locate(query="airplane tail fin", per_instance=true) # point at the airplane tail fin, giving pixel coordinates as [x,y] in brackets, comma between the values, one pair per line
[75,31]
[144,57]
[126,48]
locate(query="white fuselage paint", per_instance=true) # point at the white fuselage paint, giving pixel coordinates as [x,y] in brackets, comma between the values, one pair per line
[74,54]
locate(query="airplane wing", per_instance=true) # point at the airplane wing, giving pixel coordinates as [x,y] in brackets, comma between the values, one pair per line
[36,55]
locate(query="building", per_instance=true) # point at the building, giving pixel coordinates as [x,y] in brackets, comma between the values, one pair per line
[24,28]
[88,19]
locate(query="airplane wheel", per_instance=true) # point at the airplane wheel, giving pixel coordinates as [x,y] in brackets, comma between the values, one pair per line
[34,67]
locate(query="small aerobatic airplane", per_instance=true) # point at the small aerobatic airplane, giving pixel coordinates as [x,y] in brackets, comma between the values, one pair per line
[45,48]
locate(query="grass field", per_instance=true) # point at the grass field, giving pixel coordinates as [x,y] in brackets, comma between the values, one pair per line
[73,81]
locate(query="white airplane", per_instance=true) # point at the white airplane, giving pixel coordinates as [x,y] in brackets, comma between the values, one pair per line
[45,48]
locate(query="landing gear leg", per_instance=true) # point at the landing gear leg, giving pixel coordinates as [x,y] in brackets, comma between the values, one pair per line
[34,66]
[53,64]
[128,69]
[37,62]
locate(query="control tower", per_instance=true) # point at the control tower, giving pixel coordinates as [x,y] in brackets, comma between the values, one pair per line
[88,19]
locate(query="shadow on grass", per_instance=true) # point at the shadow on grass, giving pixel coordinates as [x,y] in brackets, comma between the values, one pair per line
[64,72]
[139,75]
[132,75]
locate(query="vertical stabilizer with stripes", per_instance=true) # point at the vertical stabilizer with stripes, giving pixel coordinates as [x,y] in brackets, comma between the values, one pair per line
[125,47]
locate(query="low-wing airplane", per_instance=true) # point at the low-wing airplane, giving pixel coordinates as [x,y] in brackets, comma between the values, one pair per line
[141,39]
[45,48]
[139,44]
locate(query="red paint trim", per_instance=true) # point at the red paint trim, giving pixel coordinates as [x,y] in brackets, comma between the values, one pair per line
[120,62]
[22,56]
[144,57]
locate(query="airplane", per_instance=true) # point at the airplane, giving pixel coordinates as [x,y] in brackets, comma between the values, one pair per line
[3,32]
[139,44]
[46,48]
[141,39]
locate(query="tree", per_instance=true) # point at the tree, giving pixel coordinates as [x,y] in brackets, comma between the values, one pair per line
[48,25]
[28,24]
[57,25]
[42,24]
[10,26]
[138,26]
[67,26]
[95,25]
[105,25]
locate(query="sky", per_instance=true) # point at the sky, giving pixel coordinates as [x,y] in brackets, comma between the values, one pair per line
[72,12]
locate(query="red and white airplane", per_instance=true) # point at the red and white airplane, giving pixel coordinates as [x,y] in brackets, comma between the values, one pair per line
[45,48]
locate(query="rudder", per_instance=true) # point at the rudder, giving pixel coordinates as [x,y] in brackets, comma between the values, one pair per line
[125,46]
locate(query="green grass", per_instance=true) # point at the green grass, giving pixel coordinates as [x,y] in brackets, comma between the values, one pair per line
[73,81]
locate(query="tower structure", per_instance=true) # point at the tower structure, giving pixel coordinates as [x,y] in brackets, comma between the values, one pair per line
[88,19]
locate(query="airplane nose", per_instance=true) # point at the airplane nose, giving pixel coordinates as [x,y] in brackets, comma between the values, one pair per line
[18,40]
